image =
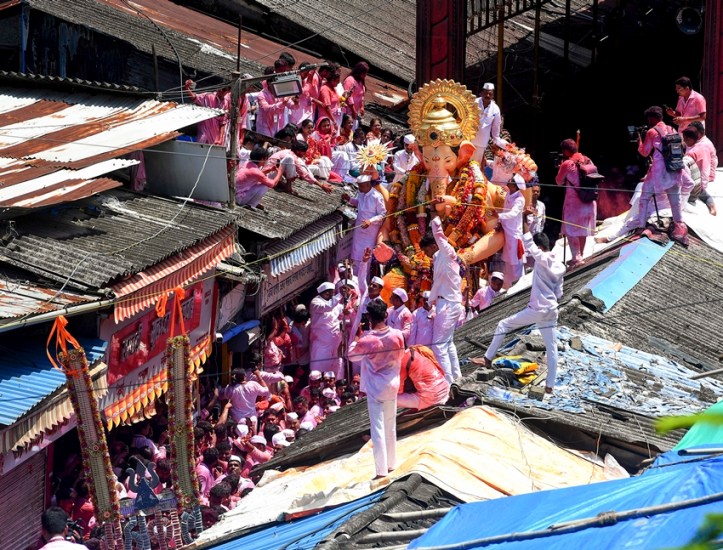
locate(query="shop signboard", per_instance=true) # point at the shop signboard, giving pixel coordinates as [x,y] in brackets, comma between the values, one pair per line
[137,345]
[276,291]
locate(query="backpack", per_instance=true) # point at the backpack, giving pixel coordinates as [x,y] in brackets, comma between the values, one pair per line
[589,179]
[672,150]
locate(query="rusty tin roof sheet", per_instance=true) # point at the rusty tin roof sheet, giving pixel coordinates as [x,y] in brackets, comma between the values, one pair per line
[54,144]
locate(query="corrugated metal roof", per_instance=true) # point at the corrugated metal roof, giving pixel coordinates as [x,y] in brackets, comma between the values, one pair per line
[19,298]
[304,245]
[64,80]
[203,43]
[286,214]
[102,238]
[57,141]
[219,38]
[384,33]
[27,377]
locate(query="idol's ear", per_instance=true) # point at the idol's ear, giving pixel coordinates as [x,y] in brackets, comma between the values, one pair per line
[466,150]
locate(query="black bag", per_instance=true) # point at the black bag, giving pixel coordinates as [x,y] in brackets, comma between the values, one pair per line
[589,179]
[672,150]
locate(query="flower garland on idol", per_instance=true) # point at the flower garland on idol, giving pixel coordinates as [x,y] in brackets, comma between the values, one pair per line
[444,115]
[410,198]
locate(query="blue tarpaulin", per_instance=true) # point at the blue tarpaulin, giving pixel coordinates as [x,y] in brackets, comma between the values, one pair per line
[634,262]
[537,512]
[303,533]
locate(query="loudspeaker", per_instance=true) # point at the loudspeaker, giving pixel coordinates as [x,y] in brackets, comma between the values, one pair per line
[689,20]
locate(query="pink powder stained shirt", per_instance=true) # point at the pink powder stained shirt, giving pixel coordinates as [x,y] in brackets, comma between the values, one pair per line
[254,457]
[380,354]
[691,107]
[302,170]
[249,177]
[209,131]
[270,113]
[304,108]
[205,478]
[701,155]
[370,206]
[422,327]
[401,319]
[658,179]
[355,100]
[579,216]
[428,376]
[243,398]
[329,97]
[483,297]
[708,144]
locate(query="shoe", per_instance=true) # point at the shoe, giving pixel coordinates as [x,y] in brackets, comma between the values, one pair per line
[680,233]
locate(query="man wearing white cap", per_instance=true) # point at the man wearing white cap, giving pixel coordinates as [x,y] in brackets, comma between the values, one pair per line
[490,121]
[422,323]
[446,296]
[406,159]
[511,221]
[367,292]
[541,310]
[398,314]
[278,441]
[371,211]
[314,382]
[484,296]
[325,331]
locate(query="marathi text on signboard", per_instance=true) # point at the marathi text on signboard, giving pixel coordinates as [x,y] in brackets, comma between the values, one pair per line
[277,290]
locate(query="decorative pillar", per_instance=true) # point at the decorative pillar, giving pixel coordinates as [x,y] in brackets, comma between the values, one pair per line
[712,86]
[94,447]
[441,40]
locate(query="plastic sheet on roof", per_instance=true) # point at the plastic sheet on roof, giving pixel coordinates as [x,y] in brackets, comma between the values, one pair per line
[696,216]
[302,533]
[597,373]
[480,453]
[634,262]
[538,511]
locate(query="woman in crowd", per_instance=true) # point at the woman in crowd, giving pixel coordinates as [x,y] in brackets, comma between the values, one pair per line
[302,107]
[305,128]
[346,132]
[355,90]
[270,117]
[375,130]
[329,102]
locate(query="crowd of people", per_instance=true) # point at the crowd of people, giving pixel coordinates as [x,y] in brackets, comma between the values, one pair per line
[311,137]
[356,338]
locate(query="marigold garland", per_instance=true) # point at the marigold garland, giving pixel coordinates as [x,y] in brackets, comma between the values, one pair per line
[93,444]
[180,425]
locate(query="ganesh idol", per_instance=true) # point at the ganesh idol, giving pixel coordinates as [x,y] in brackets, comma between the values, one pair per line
[444,117]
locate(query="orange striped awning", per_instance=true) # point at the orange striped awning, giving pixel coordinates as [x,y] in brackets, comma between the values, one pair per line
[139,404]
[143,289]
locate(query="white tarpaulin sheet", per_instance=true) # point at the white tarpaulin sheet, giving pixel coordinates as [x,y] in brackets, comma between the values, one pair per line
[478,454]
